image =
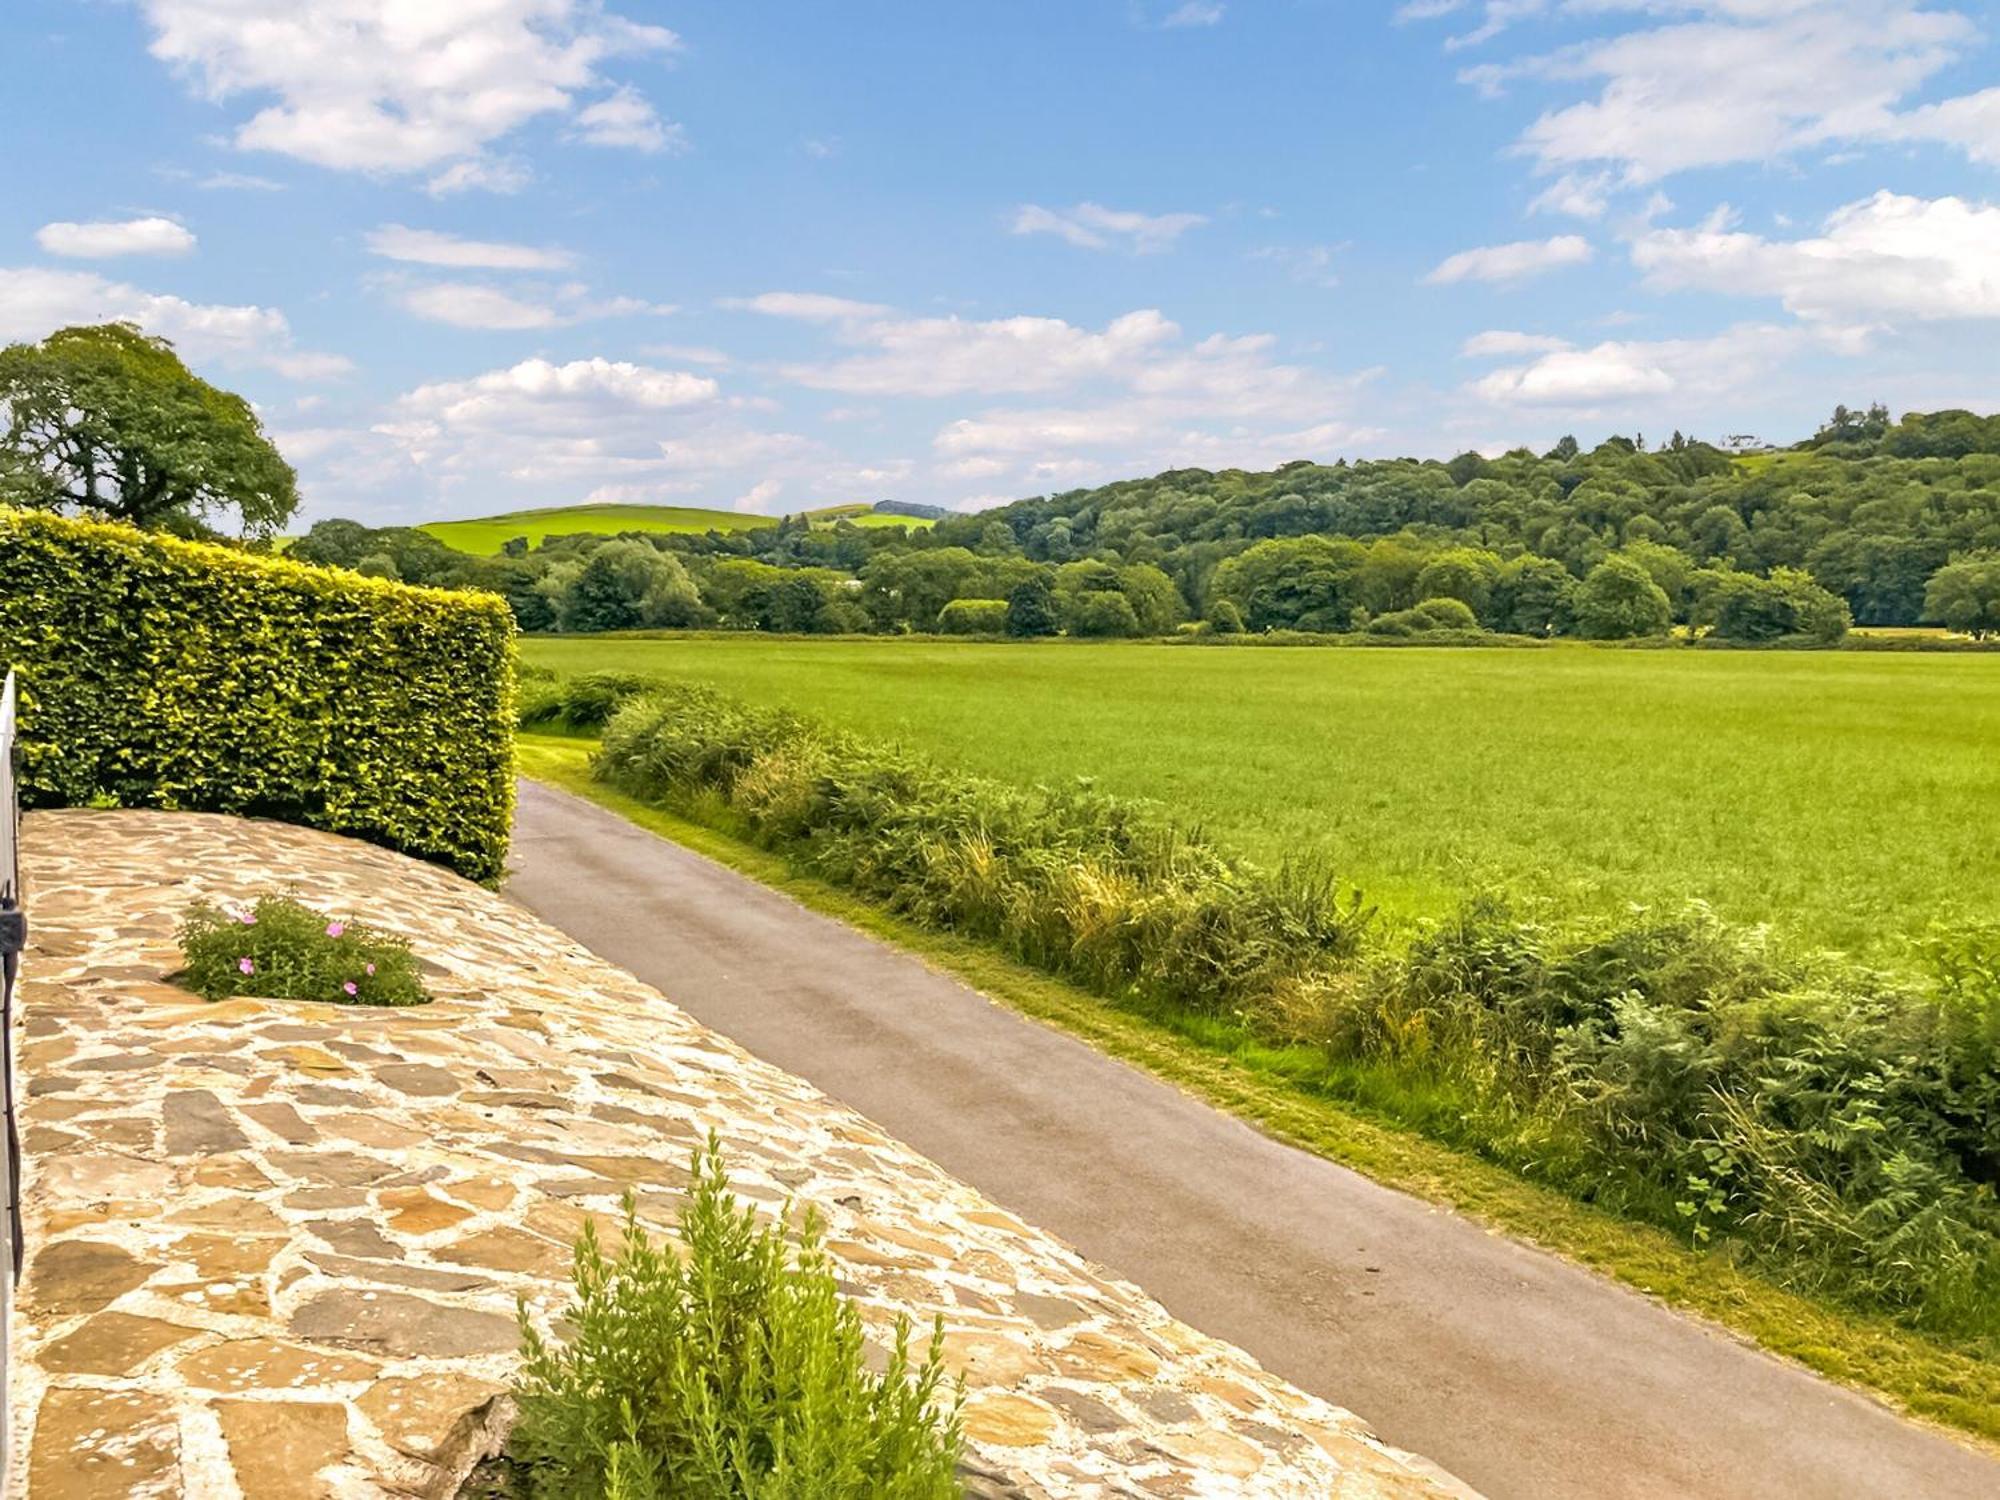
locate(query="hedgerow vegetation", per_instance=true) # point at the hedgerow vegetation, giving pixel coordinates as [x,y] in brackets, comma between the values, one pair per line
[1885,524]
[162,673]
[728,1368]
[1837,1126]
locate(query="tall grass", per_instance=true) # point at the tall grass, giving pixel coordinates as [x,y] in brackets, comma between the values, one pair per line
[1837,1125]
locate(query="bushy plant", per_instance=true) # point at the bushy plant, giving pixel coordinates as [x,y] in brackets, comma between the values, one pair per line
[1423,619]
[585,701]
[1071,880]
[280,949]
[1103,614]
[1619,600]
[731,1368]
[973,617]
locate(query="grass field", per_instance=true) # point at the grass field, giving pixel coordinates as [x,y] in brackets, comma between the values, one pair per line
[484,536]
[1846,798]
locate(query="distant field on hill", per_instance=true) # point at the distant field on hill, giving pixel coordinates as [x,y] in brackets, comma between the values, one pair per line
[486,535]
[1845,797]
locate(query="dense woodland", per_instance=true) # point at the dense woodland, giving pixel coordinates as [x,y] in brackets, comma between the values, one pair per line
[1871,521]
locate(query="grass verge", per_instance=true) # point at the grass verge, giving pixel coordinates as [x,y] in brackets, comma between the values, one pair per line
[1223,1067]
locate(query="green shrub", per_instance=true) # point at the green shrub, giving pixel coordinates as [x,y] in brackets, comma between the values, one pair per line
[585,701]
[1031,609]
[1070,880]
[1447,614]
[163,673]
[1618,600]
[1224,618]
[974,617]
[281,950]
[1103,614]
[732,1369]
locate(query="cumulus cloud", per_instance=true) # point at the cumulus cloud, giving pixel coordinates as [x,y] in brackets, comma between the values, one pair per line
[1512,262]
[1887,256]
[950,356]
[628,119]
[465,304]
[1092,226]
[1619,373]
[106,239]
[481,174]
[1581,195]
[394,86]
[543,393]
[430,247]
[1702,83]
[35,301]
[599,430]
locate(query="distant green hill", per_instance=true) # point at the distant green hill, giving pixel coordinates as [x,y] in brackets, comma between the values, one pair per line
[485,535]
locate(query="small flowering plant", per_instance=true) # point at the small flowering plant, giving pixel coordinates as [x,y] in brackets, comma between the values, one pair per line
[281,949]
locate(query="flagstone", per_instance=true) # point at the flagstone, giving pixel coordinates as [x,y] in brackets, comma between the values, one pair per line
[111,1343]
[283,1243]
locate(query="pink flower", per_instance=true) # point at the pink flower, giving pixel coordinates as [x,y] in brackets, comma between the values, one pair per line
[335,929]
[371,968]
[247,918]
[246,965]
[350,987]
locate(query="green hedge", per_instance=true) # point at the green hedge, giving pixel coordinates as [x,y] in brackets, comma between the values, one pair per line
[162,673]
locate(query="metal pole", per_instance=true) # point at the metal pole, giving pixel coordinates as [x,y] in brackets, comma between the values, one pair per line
[13,938]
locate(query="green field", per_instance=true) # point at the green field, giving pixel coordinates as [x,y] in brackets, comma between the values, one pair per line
[485,535]
[1847,798]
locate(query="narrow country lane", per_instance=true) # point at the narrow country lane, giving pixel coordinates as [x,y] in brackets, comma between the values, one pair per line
[1527,1377]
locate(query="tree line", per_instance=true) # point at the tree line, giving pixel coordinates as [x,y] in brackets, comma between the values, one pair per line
[1877,521]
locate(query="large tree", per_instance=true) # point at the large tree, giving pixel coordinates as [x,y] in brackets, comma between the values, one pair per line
[109,421]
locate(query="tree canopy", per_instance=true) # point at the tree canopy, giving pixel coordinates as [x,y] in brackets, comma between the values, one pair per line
[107,420]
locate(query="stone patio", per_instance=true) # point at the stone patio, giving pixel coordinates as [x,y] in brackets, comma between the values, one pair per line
[275,1248]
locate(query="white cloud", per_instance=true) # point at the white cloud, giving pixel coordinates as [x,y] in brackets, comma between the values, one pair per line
[464,304]
[1581,195]
[1728,81]
[806,307]
[597,430]
[35,301]
[950,356]
[1501,342]
[392,85]
[1971,123]
[238,182]
[1614,374]
[1512,262]
[1193,13]
[1886,256]
[757,499]
[430,247]
[105,239]
[628,119]
[482,174]
[1092,226]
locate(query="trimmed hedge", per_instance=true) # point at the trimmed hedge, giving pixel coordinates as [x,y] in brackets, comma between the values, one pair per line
[162,673]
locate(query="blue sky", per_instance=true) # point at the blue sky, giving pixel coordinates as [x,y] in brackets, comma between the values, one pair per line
[469,255]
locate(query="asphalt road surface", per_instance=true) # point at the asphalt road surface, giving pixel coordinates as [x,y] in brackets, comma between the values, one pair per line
[1527,1377]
